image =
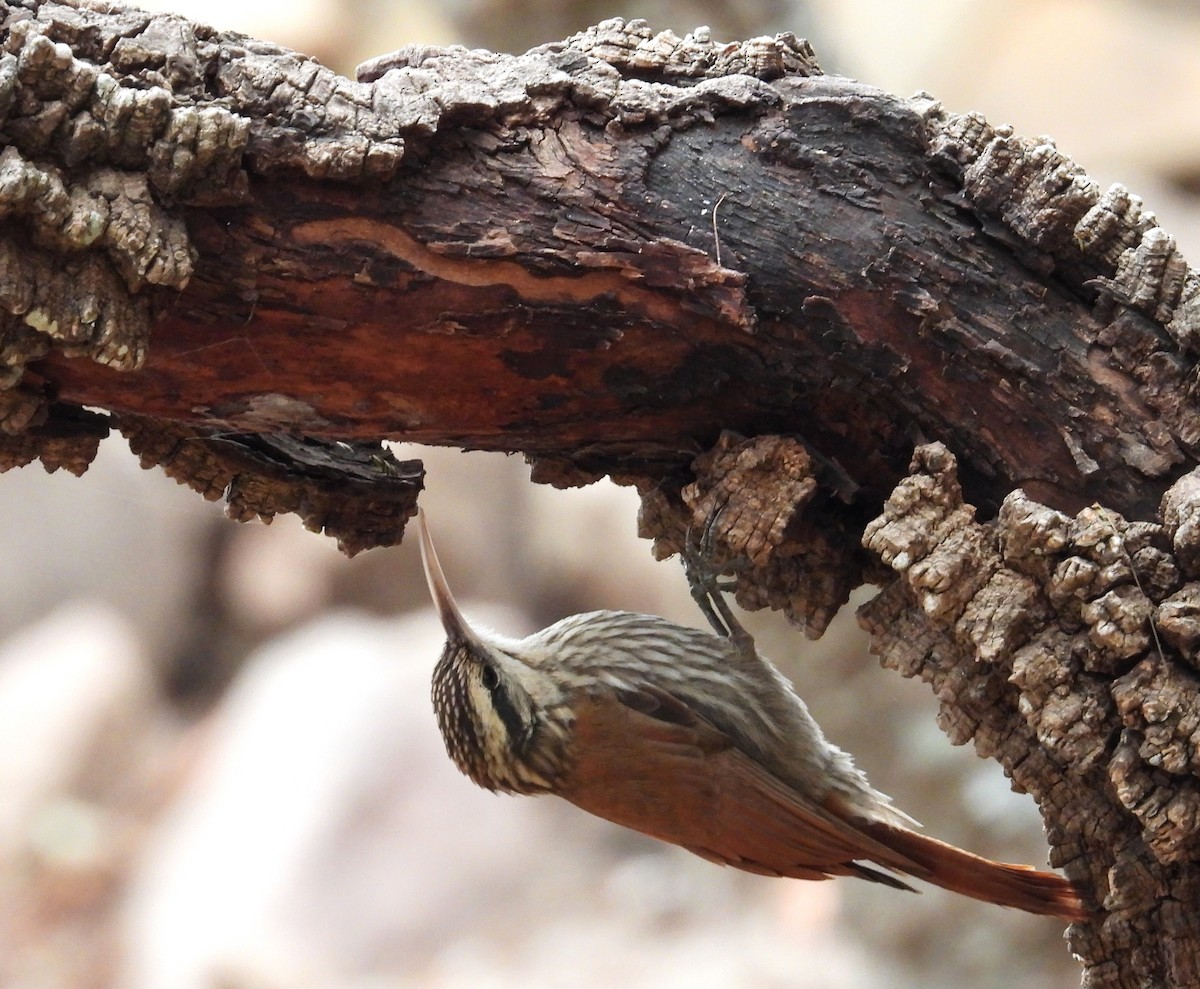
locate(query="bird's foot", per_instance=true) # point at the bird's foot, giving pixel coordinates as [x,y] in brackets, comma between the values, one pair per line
[708,590]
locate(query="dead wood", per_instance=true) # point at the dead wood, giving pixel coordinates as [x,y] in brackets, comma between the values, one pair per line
[707,270]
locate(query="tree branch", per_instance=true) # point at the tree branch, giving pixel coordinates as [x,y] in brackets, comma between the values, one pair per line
[710,271]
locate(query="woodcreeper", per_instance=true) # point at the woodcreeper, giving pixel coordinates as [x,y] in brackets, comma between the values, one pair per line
[692,738]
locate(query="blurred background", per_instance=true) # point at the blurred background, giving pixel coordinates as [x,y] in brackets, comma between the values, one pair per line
[218,764]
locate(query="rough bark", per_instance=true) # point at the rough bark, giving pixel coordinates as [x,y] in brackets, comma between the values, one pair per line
[708,270]
[1065,649]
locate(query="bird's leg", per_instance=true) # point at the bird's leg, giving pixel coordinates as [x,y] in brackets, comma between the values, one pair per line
[708,591]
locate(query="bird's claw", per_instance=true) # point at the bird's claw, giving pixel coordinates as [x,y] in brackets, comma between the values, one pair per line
[708,590]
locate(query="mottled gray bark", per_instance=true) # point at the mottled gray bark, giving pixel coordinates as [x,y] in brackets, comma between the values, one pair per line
[709,271]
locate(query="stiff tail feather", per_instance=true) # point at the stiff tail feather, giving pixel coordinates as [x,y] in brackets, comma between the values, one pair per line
[1019,886]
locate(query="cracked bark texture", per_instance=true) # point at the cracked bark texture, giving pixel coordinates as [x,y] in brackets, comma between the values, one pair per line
[1065,648]
[706,270]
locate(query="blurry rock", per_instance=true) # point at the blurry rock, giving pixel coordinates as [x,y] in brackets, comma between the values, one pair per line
[76,701]
[65,684]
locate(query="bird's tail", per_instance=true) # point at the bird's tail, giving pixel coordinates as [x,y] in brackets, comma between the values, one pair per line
[1019,886]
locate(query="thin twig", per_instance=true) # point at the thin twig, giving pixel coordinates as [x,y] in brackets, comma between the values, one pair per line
[717,236]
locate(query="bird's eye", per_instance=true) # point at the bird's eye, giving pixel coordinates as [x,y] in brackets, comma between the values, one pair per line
[490,678]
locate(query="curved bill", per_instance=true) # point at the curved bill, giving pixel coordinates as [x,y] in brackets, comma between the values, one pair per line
[452,619]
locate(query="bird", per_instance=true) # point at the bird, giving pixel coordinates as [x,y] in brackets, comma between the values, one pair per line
[691,737]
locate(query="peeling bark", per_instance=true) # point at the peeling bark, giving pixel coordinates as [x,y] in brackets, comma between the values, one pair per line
[357,494]
[706,270]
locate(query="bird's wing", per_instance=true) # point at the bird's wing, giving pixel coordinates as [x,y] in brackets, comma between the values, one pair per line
[646,760]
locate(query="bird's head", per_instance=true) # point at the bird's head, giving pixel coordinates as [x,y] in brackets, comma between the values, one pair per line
[498,713]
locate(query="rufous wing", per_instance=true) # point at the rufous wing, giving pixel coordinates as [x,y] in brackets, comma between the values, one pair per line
[645,760]
[648,761]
